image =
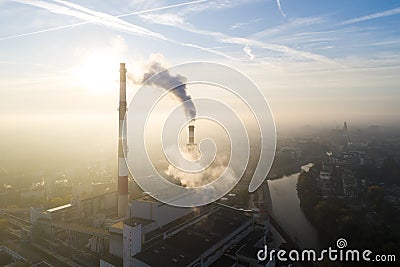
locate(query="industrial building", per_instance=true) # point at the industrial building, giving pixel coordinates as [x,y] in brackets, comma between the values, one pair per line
[162,235]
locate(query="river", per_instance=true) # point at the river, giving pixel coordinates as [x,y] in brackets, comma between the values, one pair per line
[286,209]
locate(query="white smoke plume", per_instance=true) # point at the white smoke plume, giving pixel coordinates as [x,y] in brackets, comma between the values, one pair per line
[208,175]
[167,81]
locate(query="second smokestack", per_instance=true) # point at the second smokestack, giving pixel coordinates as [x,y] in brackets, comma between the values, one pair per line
[191,134]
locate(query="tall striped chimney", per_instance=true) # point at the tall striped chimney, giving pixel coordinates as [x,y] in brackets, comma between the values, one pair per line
[191,134]
[122,145]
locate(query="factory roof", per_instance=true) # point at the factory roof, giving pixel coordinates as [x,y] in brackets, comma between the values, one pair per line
[178,222]
[111,259]
[134,221]
[98,196]
[224,261]
[251,240]
[146,198]
[117,227]
[248,252]
[202,235]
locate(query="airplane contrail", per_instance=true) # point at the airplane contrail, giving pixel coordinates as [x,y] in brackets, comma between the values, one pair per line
[104,19]
[278,2]
[391,12]
[94,20]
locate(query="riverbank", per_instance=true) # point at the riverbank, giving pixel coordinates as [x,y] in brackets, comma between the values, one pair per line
[365,223]
[279,170]
[286,209]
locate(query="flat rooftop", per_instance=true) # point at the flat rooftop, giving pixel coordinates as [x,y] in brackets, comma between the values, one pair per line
[117,226]
[134,221]
[224,261]
[189,244]
[174,224]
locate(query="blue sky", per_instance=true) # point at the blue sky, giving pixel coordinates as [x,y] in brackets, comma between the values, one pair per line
[326,61]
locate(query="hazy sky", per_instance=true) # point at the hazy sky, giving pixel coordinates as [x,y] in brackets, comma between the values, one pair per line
[316,61]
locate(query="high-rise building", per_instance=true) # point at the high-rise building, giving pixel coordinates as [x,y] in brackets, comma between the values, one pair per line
[345,129]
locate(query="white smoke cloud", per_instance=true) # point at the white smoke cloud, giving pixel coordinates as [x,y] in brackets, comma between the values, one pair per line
[208,175]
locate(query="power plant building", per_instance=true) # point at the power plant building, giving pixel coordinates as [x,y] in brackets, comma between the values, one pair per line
[173,236]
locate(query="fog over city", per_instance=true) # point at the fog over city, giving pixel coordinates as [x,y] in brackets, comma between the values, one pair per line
[197,133]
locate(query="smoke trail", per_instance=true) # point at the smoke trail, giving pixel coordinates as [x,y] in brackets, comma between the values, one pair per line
[165,80]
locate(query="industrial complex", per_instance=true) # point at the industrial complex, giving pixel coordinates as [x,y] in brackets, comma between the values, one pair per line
[130,228]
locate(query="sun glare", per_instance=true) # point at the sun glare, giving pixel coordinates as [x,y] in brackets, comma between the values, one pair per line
[99,71]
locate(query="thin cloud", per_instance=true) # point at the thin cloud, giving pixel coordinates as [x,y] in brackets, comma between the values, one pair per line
[387,13]
[278,3]
[248,51]
[88,22]
[223,38]
[282,49]
[43,31]
[8,63]
[104,19]
[164,19]
[208,50]
[214,5]
[296,24]
[88,15]
[242,24]
[161,8]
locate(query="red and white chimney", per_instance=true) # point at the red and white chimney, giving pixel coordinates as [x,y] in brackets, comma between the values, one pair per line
[122,146]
